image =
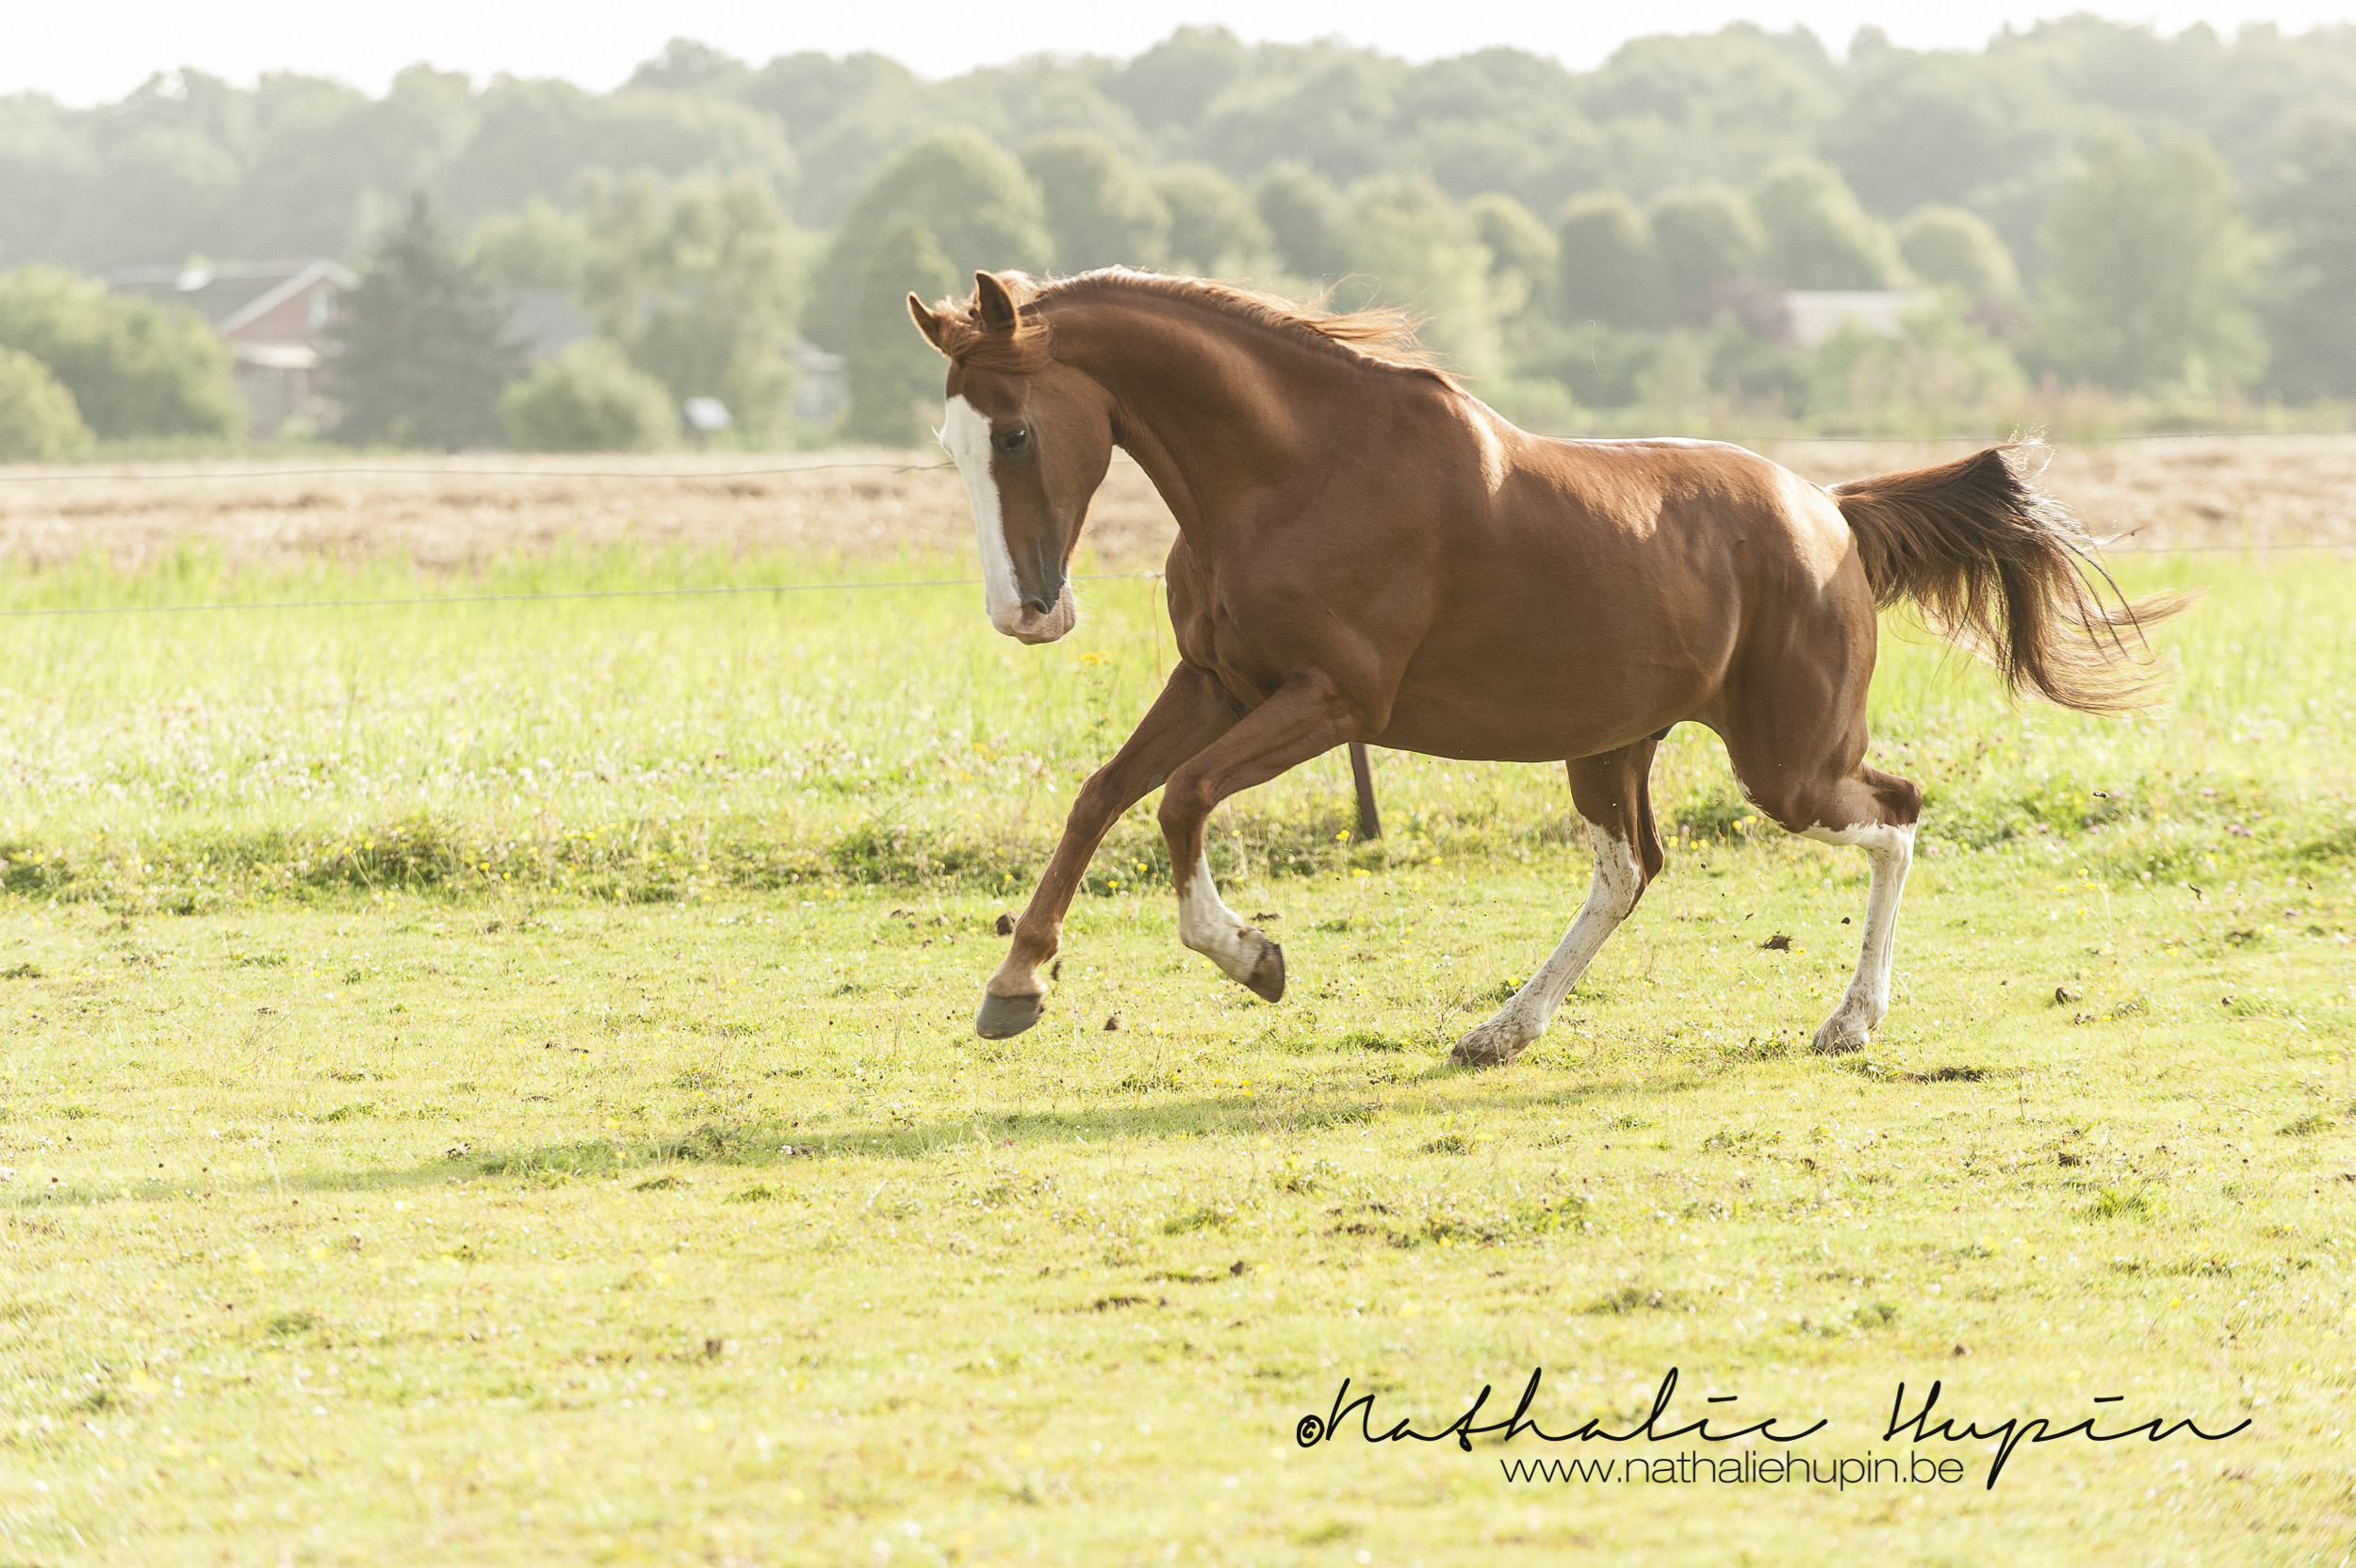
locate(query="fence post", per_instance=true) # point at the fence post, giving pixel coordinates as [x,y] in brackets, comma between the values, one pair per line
[1361,774]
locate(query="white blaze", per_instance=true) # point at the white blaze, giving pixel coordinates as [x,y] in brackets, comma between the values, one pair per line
[965,436]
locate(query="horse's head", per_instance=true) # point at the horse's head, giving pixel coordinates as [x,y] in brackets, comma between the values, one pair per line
[1033,439]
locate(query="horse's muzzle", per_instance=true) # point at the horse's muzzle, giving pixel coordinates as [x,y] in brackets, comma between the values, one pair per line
[1031,622]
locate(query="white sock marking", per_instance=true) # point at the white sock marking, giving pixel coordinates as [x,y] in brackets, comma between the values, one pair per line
[1619,880]
[1867,1001]
[1208,926]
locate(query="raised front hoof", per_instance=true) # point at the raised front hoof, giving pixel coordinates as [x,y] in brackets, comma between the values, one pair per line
[1267,979]
[1002,1018]
[1491,1045]
[1841,1036]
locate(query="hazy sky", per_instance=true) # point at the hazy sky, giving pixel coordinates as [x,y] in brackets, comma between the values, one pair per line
[97,50]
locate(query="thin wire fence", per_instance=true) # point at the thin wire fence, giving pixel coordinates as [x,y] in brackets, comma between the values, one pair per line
[516,598]
[747,588]
[355,471]
[1785,439]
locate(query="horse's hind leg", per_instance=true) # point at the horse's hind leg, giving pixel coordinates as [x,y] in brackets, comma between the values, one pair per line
[1613,794]
[1866,1002]
[1798,746]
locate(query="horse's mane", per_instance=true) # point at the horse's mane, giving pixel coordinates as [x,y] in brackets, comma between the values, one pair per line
[1378,335]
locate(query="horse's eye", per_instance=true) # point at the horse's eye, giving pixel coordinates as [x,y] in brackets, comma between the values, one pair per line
[1012,440]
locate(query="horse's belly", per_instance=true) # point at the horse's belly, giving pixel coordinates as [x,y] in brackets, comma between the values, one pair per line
[1551,692]
[1476,731]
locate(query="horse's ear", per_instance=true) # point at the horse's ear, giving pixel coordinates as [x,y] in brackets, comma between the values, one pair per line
[993,303]
[927,322]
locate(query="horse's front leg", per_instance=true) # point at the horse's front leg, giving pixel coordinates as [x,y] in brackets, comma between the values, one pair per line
[1305,717]
[1193,711]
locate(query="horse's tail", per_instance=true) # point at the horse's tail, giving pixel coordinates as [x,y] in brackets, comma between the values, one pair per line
[2002,569]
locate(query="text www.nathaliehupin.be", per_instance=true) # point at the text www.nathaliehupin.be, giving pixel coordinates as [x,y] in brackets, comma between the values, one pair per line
[2008,1434]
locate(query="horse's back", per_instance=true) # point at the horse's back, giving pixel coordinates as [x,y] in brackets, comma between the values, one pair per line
[1682,493]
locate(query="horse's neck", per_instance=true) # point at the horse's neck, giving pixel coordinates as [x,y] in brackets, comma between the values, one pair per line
[1209,425]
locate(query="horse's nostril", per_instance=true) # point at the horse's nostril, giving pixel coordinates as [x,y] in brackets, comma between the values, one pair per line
[1039,607]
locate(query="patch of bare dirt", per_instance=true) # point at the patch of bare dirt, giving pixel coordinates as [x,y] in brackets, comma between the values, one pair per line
[2168,491]
[450,514]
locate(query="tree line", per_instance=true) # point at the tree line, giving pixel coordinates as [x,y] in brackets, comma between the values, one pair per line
[2082,203]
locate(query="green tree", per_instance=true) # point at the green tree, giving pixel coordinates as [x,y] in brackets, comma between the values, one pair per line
[134,368]
[686,65]
[539,138]
[539,246]
[1498,120]
[589,399]
[38,422]
[1416,252]
[1706,237]
[1711,106]
[1608,269]
[1950,248]
[980,207]
[1521,253]
[697,283]
[423,354]
[1174,82]
[155,188]
[2150,265]
[322,165]
[848,117]
[1328,106]
[1307,219]
[894,371]
[2312,314]
[1099,211]
[1943,373]
[1817,235]
[1213,229]
[1939,125]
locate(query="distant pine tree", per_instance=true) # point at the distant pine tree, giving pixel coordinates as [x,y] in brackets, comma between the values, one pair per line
[424,353]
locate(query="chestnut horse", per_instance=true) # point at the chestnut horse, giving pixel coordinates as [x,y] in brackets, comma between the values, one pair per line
[1366,552]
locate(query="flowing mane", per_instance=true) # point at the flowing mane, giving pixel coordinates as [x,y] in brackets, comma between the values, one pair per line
[1377,336]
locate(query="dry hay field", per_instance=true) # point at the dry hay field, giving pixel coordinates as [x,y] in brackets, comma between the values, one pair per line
[492,1082]
[450,514]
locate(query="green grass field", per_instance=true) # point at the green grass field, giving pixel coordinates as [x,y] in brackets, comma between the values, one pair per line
[492,1082]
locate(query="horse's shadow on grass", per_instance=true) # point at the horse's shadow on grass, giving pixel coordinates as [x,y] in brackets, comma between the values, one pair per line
[759,1144]
[767,1144]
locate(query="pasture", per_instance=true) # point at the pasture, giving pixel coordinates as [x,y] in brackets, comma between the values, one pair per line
[492,1081]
